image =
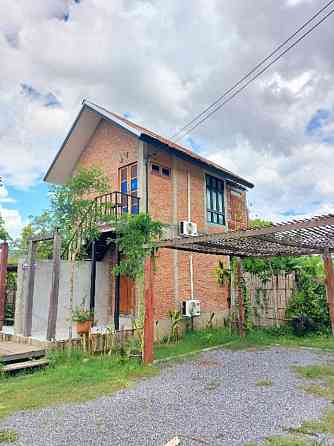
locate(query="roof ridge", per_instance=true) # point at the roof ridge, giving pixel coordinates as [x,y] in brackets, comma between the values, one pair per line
[169,142]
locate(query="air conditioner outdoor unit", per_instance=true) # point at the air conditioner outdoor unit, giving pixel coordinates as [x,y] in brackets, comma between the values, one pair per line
[191,307]
[188,228]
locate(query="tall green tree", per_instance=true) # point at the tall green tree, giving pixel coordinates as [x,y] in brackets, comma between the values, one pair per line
[3,232]
[72,205]
[73,202]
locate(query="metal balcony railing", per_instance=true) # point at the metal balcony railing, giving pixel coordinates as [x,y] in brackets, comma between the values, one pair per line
[112,205]
[115,204]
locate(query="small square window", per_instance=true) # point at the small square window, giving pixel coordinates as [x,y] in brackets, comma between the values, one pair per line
[155,168]
[165,171]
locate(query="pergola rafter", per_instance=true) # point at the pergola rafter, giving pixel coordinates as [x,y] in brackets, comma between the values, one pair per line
[295,238]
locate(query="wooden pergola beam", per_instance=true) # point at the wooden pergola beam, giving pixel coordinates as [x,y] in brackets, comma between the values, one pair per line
[317,222]
[41,238]
[54,293]
[29,292]
[329,282]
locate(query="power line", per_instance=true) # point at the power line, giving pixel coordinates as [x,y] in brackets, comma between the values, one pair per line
[184,130]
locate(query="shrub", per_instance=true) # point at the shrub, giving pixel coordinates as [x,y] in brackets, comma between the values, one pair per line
[308,309]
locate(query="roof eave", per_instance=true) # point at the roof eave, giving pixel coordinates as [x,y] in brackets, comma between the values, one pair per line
[228,175]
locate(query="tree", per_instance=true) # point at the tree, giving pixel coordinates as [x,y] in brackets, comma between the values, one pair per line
[74,215]
[37,226]
[3,232]
[72,203]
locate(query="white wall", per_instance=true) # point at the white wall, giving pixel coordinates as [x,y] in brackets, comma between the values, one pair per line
[42,287]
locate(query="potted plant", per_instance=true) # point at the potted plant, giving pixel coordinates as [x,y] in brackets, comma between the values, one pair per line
[83,319]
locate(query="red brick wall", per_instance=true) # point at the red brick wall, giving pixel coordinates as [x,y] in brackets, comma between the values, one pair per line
[160,191]
[168,201]
[109,149]
[237,209]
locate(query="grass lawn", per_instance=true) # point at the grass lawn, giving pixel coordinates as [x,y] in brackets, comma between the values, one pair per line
[68,379]
[196,341]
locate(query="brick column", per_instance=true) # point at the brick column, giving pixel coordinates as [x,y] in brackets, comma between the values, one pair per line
[3,279]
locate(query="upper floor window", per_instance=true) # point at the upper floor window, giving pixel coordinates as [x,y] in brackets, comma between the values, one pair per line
[129,188]
[215,200]
[163,171]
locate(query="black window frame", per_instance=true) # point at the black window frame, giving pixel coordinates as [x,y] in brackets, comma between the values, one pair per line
[215,200]
[160,170]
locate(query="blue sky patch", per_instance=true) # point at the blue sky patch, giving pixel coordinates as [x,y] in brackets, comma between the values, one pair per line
[32,201]
[291,213]
[316,126]
[12,39]
[48,99]
[194,145]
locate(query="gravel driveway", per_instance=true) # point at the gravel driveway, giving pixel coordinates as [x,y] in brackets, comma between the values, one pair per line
[211,400]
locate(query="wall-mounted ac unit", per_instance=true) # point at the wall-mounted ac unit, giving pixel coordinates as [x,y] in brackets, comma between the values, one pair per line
[188,228]
[191,307]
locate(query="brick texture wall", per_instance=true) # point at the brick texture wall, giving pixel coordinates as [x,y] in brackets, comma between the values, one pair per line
[111,148]
[168,198]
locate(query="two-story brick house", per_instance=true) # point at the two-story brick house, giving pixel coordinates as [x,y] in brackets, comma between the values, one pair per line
[173,184]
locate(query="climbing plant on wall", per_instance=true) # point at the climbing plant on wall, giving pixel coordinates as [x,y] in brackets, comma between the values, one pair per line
[135,238]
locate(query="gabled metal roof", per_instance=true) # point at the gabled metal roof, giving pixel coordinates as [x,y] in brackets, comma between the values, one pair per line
[85,125]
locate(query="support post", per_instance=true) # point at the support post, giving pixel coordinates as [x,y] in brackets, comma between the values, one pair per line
[54,293]
[329,282]
[149,312]
[240,298]
[29,295]
[93,278]
[3,280]
[117,294]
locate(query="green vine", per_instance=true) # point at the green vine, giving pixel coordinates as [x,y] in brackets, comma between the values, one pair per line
[136,237]
[224,276]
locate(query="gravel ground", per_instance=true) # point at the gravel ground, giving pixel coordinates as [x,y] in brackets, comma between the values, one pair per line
[211,400]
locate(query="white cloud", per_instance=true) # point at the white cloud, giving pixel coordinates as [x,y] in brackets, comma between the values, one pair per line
[13,221]
[163,63]
[4,195]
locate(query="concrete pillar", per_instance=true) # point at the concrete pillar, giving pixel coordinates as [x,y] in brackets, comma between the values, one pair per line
[19,298]
[3,280]
[149,312]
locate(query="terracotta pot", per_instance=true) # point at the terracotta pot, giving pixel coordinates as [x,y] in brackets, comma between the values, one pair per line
[84,327]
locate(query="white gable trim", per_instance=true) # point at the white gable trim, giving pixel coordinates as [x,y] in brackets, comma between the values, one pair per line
[77,139]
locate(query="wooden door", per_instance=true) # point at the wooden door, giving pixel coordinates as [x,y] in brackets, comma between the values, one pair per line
[126,295]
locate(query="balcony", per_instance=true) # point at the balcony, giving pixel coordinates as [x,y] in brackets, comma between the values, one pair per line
[116,204]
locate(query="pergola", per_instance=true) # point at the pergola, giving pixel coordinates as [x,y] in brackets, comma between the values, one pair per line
[295,238]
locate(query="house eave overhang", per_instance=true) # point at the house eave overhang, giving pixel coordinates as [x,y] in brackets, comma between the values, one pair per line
[83,128]
[206,164]
[76,141]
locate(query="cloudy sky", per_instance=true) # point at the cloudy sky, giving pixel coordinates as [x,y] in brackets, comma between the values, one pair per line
[161,62]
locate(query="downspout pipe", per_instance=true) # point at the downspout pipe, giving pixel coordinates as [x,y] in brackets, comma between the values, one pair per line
[93,278]
[117,293]
[146,182]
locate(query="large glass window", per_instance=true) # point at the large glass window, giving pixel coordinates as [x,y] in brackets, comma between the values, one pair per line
[215,200]
[129,189]
[124,189]
[134,190]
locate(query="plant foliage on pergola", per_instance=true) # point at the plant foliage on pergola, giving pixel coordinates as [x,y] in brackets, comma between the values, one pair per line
[295,238]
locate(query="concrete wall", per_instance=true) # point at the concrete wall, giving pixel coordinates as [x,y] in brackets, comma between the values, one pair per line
[42,285]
